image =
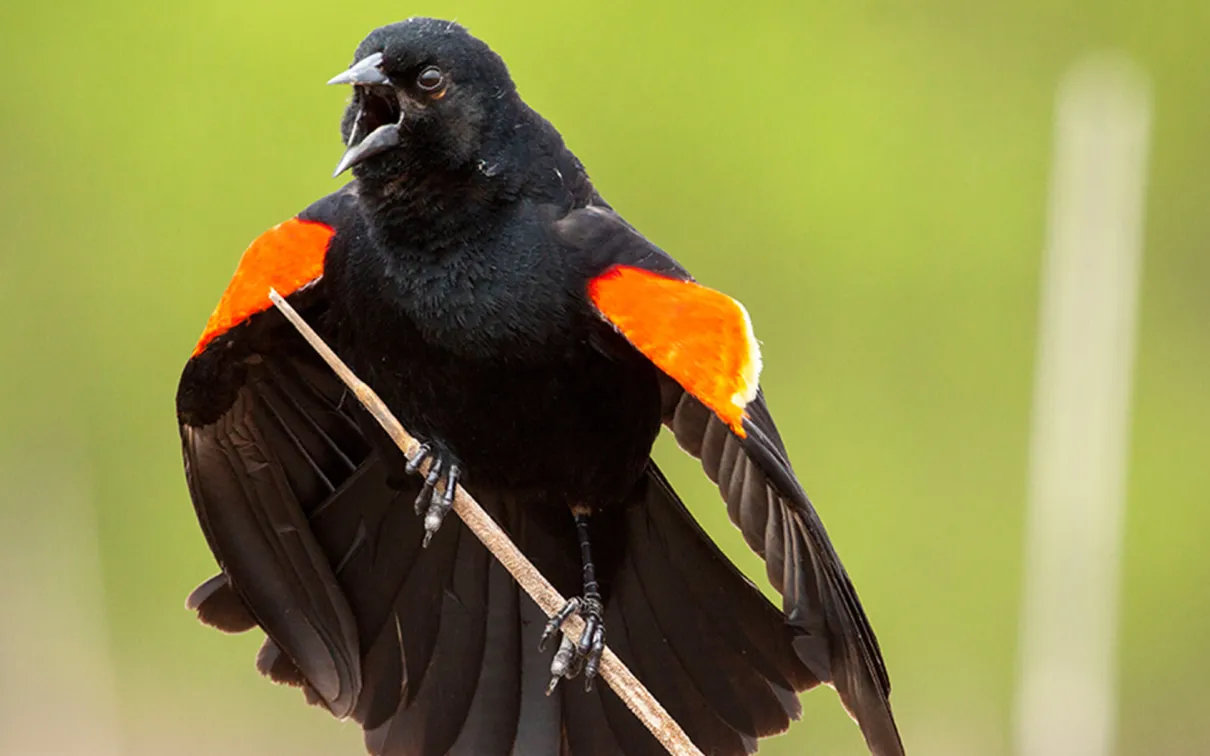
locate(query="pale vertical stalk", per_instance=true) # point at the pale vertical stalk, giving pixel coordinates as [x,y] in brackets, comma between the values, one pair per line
[57,691]
[1066,696]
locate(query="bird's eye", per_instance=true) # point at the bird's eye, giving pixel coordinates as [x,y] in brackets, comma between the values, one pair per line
[430,80]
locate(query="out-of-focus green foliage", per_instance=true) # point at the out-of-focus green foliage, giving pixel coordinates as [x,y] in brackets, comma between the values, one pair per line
[870,178]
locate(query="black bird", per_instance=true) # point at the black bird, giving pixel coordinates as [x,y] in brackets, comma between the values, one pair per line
[471,273]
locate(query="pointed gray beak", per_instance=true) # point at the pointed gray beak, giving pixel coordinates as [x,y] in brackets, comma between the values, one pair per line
[367,71]
[379,140]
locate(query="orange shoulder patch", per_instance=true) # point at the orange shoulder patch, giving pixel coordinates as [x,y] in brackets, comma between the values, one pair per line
[699,337]
[286,257]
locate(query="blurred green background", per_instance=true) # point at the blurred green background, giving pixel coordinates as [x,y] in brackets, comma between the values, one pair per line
[870,178]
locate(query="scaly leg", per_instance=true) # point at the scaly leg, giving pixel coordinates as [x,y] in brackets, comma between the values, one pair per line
[572,657]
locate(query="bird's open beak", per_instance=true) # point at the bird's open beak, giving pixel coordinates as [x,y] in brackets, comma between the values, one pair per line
[376,128]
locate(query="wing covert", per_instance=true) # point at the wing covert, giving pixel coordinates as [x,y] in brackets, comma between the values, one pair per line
[287,257]
[699,337]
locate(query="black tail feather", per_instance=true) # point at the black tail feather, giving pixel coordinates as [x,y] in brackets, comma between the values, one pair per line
[491,725]
[448,643]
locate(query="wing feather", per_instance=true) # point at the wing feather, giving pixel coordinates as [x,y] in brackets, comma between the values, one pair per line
[318,544]
[717,413]
[837,643]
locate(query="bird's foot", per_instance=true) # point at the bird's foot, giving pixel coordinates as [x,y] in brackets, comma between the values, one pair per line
[574,657]
[436,498]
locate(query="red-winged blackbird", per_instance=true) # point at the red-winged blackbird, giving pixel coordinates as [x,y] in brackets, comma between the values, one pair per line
[536,342]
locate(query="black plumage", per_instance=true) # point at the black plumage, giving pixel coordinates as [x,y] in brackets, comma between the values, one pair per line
[455,283]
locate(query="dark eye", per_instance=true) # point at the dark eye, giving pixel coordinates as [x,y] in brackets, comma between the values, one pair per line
[430,79]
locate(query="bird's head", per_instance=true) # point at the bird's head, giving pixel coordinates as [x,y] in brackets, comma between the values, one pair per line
[426,95]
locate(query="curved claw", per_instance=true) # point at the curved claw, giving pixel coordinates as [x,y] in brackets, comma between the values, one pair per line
[424,452]
[562,665]
[556,621]
[439,507]
[593,663]
[430,483]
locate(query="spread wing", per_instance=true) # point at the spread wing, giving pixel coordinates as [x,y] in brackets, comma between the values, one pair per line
[702,340]
[318,544]
[266,441]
